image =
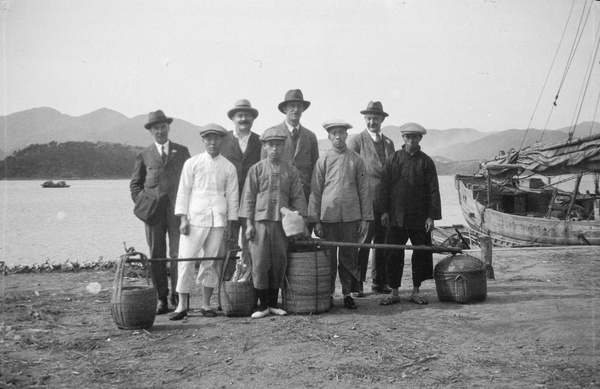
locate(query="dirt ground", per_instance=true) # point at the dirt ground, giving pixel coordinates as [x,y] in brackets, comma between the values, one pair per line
[538,328]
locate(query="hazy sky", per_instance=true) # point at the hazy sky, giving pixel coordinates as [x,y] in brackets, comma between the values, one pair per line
[444,64]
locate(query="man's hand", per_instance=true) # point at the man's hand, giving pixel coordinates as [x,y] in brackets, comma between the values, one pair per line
[318,230]
[250,230]
[385,219]
[429,224]
[184,227]
[363,227]
[229,235]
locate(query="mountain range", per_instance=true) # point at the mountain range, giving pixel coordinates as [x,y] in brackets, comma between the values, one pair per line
[43,125]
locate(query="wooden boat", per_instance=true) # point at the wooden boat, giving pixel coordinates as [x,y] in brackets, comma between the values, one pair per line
[52,184]
[516,216]
[511,198]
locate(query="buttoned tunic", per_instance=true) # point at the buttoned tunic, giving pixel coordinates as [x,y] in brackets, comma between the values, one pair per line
[340,189]
[208,191]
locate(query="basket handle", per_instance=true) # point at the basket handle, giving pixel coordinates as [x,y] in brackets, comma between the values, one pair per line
[224,267]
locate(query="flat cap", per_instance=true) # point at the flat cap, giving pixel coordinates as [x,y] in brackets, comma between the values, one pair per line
[413,128]
[273,133]
[329,124]
[212,128]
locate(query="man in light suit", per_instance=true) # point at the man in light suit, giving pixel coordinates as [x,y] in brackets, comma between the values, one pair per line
[374,148]
[242,148]
[155,179]
[300,147]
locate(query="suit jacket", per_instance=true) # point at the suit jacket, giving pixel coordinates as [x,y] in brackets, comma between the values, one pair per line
[304,157]
[153,176]
[364,145]
[230,149]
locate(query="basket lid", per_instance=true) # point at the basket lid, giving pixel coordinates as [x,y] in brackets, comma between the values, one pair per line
[460,263]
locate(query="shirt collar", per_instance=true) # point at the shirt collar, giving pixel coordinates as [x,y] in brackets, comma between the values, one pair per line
[166,146]
[373,134]
[290,127]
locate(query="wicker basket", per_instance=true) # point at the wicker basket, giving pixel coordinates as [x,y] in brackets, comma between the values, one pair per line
[132,307]
[237,298]
[307,288]
[460,278]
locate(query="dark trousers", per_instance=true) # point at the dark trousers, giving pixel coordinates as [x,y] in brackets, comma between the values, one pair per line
[164,223]
[376,234]
[422,261]
[348,256]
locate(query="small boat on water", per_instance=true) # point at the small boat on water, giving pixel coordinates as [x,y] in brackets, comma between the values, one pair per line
[52,184]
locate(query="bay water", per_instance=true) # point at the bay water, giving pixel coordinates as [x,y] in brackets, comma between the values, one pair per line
[91,221]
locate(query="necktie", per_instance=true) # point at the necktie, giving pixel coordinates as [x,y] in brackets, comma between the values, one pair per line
[164,154]
[295,137]
[377,137]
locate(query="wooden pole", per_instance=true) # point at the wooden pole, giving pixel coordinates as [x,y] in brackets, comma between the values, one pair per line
[326,243]
[485,243]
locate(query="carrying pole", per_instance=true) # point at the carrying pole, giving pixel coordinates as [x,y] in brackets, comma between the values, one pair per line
[327,243]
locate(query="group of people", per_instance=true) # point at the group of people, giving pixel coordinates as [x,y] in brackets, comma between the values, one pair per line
[358,191]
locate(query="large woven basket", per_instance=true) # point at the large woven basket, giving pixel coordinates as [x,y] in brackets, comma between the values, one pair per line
[132,306]
[237,298]
[307,287]
[460,278]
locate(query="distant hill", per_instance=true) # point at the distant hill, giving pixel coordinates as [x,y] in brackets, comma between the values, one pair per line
[70,160]
[44,125]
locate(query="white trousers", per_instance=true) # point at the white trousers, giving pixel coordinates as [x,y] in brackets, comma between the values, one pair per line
[208,241]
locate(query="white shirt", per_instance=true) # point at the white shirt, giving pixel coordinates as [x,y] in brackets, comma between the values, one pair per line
[290,127]
[160,147]
[374,135]
[243,142]
[208,191]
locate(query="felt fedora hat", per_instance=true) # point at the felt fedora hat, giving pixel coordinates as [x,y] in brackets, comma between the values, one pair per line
[293,95]
[374,108]
[242,105]
[329,124]
[273,133]
[212,128]
[157,117]
[413,128]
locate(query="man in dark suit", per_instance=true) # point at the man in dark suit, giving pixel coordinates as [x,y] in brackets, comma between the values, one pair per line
[242,148]
[301,147]
[374,148]
[155,179]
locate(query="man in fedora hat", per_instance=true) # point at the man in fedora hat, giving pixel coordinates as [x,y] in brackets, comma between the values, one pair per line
[409,198]
[340,205]
[207,203]
[153,188]
[301,147]
[374,148]
[242,148]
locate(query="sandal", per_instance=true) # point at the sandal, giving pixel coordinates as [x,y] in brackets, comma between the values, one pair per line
[391,299]
[418,299]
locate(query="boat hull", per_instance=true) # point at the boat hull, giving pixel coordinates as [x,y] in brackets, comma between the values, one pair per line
[516,230]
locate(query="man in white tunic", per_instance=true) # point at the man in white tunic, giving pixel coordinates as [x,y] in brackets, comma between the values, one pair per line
[207,203]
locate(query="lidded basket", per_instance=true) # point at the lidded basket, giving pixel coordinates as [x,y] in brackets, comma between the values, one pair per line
[460,278]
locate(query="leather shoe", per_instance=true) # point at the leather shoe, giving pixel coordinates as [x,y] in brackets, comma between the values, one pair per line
[383,289]
[162,307]
[178,315]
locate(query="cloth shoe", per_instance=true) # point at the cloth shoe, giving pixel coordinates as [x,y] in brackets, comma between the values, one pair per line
[259,314]
[382,289]
[360,292]
[277,311]
[162,307]
[349,302]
